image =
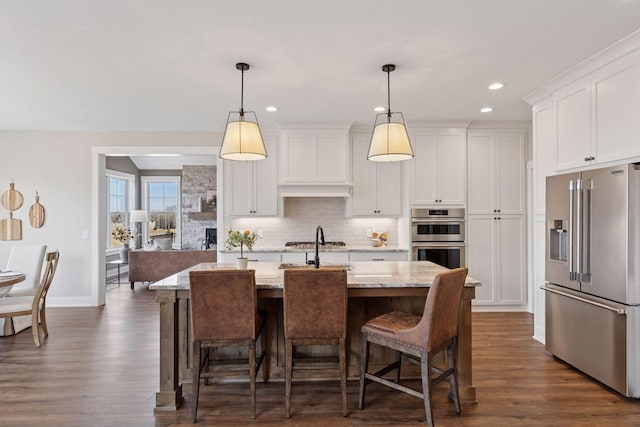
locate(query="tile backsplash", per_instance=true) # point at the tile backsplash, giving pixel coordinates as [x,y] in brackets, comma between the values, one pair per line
[303,214]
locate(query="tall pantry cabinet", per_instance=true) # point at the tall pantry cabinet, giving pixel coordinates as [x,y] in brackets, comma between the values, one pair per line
[496,225]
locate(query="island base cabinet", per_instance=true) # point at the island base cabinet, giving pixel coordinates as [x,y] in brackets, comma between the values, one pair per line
[364,304]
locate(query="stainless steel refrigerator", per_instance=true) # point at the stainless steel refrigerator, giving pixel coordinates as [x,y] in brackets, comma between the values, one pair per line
[592,298]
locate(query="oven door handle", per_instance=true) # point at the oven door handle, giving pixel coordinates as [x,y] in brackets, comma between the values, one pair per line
[437,220]
[438,245]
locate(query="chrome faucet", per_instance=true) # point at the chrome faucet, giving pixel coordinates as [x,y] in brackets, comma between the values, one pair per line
[316,261]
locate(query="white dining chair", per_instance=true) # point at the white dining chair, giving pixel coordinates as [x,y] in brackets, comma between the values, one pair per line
[33,307]
[26,259]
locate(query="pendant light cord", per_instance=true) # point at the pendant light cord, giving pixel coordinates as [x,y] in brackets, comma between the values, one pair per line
[389,94]
[242,94]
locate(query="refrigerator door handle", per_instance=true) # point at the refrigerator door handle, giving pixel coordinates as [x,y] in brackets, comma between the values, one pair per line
[572,274]
[588,301]
[579,230]
[585,249]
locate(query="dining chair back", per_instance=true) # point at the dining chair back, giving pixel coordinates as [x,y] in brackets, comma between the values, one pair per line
[35,306]
[224,314]
[416,338]
[27,259]
[315,313]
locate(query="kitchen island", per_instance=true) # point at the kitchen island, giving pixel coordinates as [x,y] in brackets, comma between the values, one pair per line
[374,288]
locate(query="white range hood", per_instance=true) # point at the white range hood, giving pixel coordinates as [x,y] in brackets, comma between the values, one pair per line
[315,190]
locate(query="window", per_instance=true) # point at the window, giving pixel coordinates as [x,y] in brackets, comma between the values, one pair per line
[120,191]
[161,199]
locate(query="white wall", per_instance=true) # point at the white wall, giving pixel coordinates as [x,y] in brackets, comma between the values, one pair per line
[59,166]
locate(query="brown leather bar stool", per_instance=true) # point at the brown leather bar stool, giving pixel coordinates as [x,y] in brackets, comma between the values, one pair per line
[416,338]
[224,314]
[315,313]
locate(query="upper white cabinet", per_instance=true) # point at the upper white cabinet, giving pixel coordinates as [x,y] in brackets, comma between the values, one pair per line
[596,118]
[437,174]
[376,185]
[572,107]
[496,172]
[314,156]
[250,187]
[616,96]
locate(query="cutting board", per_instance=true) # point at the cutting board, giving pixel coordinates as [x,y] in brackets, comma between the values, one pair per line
[36,213]
[10,228]
[11,199]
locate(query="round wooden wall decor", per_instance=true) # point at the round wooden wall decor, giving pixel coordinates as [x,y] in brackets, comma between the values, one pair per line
[11,199]
[36,213]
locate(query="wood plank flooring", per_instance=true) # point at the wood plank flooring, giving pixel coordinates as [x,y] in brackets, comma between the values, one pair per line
[99,367]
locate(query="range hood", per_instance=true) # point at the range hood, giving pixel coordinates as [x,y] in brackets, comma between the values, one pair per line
[315,190]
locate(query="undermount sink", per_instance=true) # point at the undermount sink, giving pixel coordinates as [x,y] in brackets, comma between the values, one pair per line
[290,265]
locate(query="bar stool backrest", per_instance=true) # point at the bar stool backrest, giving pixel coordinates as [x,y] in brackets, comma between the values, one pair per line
[223,304]
[439,321]
[315,303]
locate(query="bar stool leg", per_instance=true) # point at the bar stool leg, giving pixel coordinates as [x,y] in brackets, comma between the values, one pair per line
[343,374]
[288,374]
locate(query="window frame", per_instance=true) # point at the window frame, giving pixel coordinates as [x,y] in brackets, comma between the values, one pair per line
[129,200]
[144,200]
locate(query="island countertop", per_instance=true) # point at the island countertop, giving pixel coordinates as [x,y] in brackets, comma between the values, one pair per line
[360,275]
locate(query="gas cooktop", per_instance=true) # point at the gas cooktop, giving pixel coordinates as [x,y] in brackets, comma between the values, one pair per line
[312,245]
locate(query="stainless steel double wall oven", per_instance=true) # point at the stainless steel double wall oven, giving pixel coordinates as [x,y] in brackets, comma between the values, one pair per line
[438,235]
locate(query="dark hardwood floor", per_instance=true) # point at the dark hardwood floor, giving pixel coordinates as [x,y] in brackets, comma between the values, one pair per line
[99,367]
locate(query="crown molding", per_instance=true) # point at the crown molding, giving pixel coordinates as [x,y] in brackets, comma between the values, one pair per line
[626,46]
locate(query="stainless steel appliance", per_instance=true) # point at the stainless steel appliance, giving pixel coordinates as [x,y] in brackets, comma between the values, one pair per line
[437,225]
[438,236]
[592,299]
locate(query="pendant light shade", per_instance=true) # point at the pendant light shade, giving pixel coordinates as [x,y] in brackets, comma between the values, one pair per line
[242,137]
[390,140]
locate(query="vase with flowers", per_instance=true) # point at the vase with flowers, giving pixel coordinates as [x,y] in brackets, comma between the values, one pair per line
[123,235]
[237,238]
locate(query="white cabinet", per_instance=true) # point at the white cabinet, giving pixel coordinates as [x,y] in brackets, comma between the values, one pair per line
[377,186]
[250,187]
[596,118]
[312,156]
[230,257]
[496,172]
[496,257]
[496,220]
[572,111]
[379,256]
[438,170]
[616,96]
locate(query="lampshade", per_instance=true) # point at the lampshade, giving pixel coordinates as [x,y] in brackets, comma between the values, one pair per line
[390,140]
[242,137]
[139,216]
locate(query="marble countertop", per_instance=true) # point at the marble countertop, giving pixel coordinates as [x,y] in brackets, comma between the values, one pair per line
[348,249]
[367,274]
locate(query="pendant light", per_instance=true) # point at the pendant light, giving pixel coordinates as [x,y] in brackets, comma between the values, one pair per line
[390,140]
[242,137]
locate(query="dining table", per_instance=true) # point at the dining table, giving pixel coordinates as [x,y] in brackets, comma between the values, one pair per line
[8,279]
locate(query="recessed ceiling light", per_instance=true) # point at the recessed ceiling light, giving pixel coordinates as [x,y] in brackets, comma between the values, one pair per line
[380,109]
[486,109]
[271,108]
[496,86]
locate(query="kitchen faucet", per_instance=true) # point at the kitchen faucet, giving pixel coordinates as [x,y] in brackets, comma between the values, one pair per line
[316,261]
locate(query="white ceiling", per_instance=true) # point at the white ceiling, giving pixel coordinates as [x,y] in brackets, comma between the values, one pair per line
[169,65]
